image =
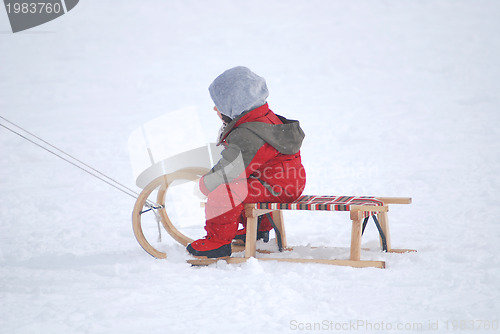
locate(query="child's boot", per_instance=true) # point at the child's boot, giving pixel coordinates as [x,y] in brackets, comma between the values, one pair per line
[261,235]
[210,247]
[264,226]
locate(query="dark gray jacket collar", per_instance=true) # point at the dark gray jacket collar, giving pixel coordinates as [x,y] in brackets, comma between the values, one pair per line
[286,138]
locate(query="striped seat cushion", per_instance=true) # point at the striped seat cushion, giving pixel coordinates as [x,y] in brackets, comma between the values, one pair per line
[322,203]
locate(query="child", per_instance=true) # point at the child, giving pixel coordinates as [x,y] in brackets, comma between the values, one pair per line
[260,161]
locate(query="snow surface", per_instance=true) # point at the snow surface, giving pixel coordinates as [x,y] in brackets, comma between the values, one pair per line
[397,98]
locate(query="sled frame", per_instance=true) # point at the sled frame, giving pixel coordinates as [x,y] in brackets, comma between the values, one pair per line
[358,215]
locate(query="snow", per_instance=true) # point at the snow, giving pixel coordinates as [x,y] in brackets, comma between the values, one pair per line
[397,98]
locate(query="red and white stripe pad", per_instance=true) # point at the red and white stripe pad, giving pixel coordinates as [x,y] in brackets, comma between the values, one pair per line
[322,203]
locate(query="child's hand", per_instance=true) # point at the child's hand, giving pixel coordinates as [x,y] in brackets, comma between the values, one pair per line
[197,192]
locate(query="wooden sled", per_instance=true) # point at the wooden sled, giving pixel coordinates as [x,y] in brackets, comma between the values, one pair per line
[359,208]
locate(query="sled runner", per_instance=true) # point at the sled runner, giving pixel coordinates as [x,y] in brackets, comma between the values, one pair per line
[360,209]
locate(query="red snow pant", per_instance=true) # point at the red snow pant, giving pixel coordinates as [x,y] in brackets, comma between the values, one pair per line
[225,205]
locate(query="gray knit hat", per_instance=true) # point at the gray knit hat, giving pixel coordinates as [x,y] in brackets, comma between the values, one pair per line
[238,90]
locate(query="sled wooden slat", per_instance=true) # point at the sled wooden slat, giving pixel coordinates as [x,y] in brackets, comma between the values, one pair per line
[395,200]
[356,218]
[236,260]
[369,208]
[280,225]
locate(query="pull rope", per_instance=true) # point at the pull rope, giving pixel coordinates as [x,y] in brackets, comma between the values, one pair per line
[75,162]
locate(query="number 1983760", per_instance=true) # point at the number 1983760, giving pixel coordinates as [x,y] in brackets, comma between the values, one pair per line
[33,7]
[456,325]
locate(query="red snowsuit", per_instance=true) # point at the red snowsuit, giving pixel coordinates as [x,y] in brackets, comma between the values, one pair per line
[260,163]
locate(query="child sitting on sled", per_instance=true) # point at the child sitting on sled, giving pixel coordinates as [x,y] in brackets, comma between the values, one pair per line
[260,161]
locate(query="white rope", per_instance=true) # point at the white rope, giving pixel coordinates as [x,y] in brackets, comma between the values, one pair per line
[74,161]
